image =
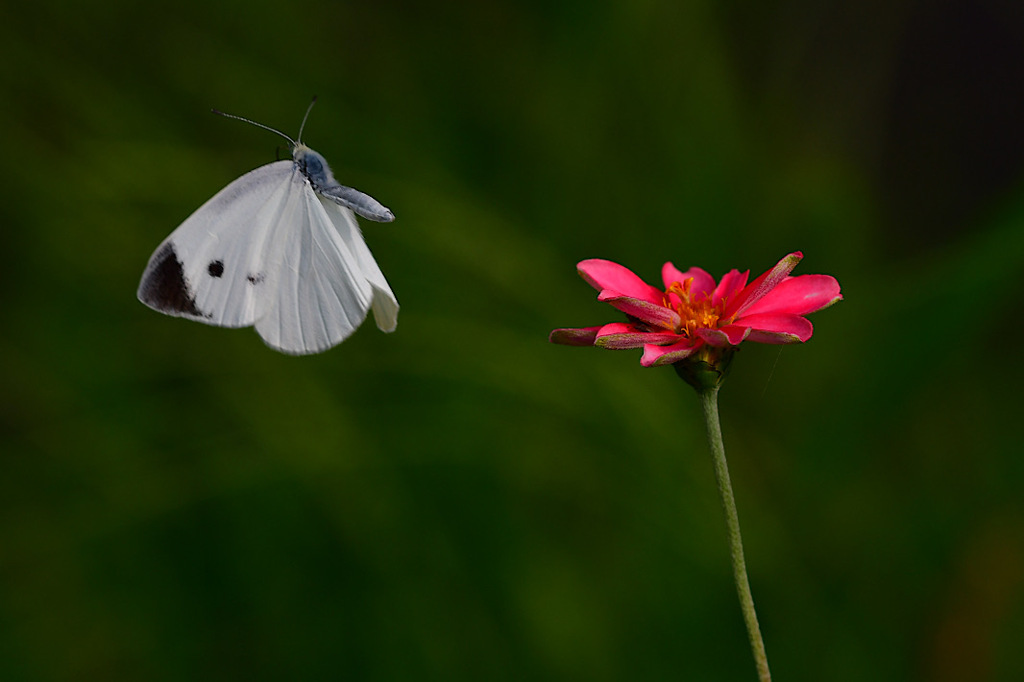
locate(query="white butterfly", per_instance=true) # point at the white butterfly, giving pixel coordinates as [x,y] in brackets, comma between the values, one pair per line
[278,248]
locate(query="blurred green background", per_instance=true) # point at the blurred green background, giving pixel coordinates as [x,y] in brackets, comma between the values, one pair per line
[461,500]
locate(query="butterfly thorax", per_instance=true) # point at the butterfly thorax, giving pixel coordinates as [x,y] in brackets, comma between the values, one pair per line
[313,166]
[315,169]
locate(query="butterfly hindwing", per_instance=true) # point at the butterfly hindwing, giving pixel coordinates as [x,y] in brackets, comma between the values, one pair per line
[321,294]
[385,305]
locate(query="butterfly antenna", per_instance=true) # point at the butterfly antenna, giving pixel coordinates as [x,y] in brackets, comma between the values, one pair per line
[259,125]
[308,109]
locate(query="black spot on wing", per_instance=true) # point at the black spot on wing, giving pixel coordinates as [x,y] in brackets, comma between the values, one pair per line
[215,268]
[164,286]
[256,278]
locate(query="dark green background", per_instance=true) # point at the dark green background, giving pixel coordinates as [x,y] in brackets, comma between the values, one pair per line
[461,500]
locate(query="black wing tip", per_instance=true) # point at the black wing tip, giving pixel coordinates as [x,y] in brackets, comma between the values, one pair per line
[164,287]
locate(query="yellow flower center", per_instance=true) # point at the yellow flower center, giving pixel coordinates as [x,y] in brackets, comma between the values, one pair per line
[693,314]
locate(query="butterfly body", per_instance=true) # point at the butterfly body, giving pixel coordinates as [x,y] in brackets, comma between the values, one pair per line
[314,166]
[278,249]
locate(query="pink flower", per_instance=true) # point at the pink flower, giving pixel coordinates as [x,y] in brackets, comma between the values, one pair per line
[693,311]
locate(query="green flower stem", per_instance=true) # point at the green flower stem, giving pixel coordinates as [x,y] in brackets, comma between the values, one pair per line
[709,401]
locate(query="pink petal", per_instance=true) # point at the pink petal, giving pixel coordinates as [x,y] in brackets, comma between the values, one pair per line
[604,274]
[645,311]
[777,328]
[670,274]
[703,283]
[798,295]
[574,337]
[773,338]
[655,356]
[619,336]
[732,282]
[730,335]
[760,287]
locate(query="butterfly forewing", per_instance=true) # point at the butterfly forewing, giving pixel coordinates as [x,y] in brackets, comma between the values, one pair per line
[219,266]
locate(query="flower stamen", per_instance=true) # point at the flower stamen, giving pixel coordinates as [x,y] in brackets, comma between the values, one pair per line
[694,314]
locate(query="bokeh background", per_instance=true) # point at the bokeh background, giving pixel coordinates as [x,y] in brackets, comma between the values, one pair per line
[461,500]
